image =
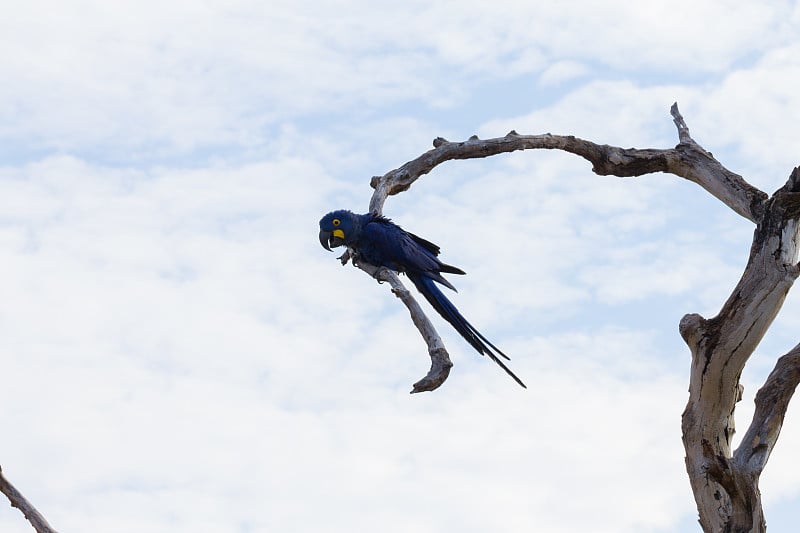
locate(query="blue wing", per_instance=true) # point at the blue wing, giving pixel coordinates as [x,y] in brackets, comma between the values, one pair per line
[386,244]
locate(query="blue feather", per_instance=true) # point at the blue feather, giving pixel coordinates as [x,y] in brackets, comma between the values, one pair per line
[380,242]
[448,311]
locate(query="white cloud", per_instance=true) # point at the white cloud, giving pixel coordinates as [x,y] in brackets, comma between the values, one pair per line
[194,351]
[161,81]
[563,71]
[753,104]
[183,355]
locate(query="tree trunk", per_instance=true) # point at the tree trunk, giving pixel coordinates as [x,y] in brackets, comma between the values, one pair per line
[725,484]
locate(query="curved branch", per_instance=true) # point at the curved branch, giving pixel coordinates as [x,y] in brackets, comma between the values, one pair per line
[687,160]
[440,359]
[772,401]
[20,502]
[604,158]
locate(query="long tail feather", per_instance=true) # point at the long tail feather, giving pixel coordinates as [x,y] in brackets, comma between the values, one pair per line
[448,311]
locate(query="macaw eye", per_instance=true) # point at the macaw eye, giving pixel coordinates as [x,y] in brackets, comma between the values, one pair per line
[336,221]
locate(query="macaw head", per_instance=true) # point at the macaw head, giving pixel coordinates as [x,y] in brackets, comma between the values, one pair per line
[337,228]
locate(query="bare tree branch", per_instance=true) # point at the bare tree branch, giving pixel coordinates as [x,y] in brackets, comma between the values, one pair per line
[725,485]
[687,160]
[440,359]
[695,164]
[772,401]
[20,502]
[683,129]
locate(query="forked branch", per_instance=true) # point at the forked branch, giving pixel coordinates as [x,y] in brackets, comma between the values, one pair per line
[725,485]
[687,160]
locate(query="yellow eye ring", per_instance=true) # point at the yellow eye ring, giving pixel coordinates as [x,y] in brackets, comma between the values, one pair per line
[336,221]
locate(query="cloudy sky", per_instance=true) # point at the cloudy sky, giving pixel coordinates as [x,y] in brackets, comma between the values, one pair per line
[179,353]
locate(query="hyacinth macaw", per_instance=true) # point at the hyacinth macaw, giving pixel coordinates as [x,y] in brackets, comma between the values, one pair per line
[382,243]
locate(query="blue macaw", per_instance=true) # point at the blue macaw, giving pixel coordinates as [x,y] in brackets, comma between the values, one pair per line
[382,243]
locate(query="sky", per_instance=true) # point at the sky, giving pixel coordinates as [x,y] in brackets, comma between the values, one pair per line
[178,352]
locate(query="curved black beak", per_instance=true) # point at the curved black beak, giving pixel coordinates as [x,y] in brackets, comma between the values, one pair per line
[326,239]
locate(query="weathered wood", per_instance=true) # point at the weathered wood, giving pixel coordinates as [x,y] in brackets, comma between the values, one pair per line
[726,489]
[772,401]
[440,359]
[687,160]
[20,502]
[725,484]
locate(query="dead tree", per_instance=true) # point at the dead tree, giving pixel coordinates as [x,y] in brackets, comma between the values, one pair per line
[724,481]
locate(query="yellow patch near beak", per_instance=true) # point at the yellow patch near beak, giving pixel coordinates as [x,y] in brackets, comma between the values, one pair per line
[338,233]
